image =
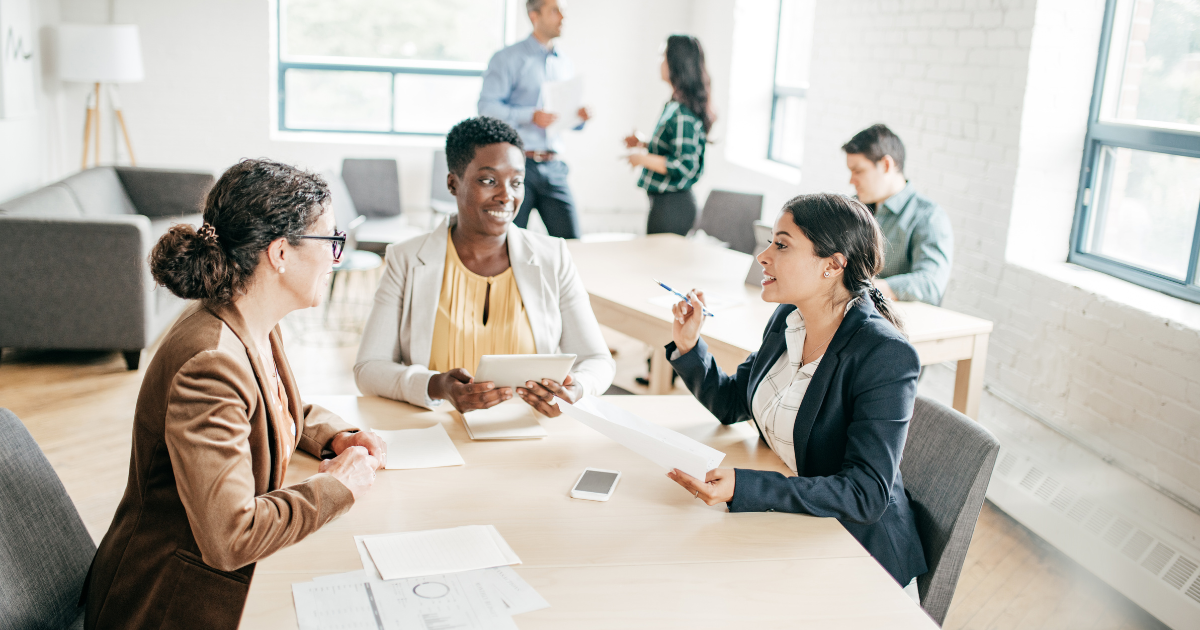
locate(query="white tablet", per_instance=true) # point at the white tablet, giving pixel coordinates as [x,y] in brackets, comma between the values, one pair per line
[513,370]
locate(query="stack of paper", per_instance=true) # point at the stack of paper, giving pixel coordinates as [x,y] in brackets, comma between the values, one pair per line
[510,420]
[667,448]
[482,599]
[419,448]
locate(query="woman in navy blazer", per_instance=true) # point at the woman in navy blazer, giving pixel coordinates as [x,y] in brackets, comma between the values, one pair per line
[851,412]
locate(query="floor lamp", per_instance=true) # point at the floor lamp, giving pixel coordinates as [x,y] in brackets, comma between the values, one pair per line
[100,54]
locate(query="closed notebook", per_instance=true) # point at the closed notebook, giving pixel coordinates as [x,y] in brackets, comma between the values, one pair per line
[510,420]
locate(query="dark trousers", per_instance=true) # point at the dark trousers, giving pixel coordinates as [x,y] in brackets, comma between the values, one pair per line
[673,212]
[546,189]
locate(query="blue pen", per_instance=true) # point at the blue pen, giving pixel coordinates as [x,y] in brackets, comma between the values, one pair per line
[684,298]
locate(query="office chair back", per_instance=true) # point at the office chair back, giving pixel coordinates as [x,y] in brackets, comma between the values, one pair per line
[730,216]
[440,198]
[374,185]
[947,464]
[44,548]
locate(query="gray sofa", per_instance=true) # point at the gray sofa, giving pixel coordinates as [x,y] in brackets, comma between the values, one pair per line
[74,271]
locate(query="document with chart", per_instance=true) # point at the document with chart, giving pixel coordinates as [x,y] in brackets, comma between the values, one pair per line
[667,448]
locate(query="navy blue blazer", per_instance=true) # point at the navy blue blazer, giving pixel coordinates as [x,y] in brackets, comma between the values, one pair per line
[849,434]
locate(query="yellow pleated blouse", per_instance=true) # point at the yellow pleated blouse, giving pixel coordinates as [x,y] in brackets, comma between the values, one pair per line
[460,336]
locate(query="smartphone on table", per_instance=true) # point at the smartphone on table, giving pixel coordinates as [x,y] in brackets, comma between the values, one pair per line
[595,484]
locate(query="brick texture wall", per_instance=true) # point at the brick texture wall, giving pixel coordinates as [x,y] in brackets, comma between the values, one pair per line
[951,76]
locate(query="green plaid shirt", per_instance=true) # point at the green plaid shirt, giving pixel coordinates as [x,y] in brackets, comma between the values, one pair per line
[680,137]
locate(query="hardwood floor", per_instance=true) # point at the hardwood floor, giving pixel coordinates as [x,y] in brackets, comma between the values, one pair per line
[79,408]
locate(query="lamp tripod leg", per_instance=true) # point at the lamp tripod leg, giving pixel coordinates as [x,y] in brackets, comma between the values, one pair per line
[125,132]
[97,149]
[87,133]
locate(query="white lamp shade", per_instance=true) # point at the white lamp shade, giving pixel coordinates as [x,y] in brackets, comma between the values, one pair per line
[93,53]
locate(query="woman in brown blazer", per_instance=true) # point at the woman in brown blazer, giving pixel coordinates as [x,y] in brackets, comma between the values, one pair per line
[219,416]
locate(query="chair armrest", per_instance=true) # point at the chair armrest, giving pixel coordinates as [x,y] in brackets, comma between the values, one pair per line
[75,282]
[159,192]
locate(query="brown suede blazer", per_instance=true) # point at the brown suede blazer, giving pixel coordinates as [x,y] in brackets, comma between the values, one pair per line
[203,501]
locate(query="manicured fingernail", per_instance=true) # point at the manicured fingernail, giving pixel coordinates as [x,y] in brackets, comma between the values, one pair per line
[491,386]
[545,381]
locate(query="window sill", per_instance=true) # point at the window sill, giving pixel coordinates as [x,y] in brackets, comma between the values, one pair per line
[1149,301]
[778,170]
[374,139]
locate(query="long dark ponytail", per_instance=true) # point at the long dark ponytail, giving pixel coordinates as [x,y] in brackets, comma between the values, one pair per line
[837,224]
[689,77]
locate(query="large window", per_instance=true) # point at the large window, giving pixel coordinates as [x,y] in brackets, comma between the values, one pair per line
[1139,192]
[384,66]
[793,53]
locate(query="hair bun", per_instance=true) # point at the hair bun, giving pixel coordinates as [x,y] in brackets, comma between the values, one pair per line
[191,264]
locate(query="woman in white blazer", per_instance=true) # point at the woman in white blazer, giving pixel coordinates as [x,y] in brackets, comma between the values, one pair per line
[480,244]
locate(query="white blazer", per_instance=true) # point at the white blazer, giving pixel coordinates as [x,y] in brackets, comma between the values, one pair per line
[396,343]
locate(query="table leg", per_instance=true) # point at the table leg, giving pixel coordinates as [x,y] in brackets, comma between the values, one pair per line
[968,382]
[660,372]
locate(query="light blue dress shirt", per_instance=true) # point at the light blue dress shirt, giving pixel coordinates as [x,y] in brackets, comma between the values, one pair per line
[918,247]
[512,88]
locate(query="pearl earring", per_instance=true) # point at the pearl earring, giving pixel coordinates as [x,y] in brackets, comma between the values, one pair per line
[826,274]
[281,270]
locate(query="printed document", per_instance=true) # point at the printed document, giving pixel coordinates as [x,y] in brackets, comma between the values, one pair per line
[420,448]
[436,551]
[460,601]
[667,448]
[563,98]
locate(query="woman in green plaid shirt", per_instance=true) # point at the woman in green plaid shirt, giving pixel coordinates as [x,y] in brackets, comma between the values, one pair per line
[675,153]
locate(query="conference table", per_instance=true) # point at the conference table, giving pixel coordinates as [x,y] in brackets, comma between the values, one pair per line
[650,557]
[619,279]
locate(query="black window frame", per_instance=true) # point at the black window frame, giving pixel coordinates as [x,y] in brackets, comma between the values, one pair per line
[779,92]
[1141,137]
[415,67]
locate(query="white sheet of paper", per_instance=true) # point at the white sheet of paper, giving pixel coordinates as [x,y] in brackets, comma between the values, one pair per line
[667,448]
[436,551]
[517,594]
[510,420]
[458,601]
[563,98]
[715,304]
[420,448]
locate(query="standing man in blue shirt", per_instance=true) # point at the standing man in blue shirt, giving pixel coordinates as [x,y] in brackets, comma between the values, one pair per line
[512,92]
[919,242]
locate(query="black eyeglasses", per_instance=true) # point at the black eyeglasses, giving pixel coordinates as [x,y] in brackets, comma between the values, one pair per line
[339,242]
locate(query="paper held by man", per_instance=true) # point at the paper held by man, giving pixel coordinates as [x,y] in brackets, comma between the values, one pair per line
[660,445]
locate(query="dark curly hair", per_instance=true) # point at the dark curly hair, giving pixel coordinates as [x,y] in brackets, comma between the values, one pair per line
[254,203]
[472,133]
[837,224]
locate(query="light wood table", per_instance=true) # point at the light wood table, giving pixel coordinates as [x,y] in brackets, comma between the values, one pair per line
[650,557]
[618,279]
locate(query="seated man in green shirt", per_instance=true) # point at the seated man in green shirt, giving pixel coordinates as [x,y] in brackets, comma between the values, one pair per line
[920,243]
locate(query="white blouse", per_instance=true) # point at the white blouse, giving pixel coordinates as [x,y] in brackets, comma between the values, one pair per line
[777,399]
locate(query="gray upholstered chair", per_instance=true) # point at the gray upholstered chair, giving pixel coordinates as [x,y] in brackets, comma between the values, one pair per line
[367,233]
[947,465]
[441,202]
[730,216]
[374,185]
[45,550]
[74,274]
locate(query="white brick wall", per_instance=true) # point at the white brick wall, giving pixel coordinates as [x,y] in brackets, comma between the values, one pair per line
[951,77]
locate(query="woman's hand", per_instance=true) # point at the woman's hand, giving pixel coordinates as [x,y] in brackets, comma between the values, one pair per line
[354,467]
[649,161]
[632,141]
[374,444]
[541,396]
[689,318]
[717,487]
[458,387]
